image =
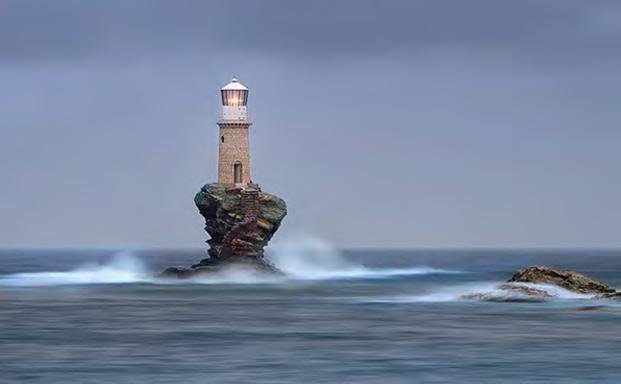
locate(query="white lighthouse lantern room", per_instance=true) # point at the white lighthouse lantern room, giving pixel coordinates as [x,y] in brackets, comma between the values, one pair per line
[234,101]
[234,147]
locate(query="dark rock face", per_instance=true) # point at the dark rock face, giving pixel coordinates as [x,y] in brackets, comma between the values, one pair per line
[572,281]
[240,223]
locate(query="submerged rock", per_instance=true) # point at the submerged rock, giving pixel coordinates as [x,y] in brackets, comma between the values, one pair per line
[240,222]
[610,296]
[511,293]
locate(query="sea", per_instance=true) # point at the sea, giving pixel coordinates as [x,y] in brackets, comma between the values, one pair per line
[337,316]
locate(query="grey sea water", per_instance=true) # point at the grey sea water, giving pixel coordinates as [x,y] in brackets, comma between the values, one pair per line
[372,316]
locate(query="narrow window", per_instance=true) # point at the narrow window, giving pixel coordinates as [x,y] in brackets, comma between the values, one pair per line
[222,139]
[237,173]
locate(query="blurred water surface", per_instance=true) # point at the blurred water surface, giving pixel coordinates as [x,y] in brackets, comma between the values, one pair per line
[374,316]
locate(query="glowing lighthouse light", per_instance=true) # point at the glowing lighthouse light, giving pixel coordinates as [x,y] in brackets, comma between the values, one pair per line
[234,100]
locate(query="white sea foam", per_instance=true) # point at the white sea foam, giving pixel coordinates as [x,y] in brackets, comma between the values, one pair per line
[305,257]
[301,258]
[437,295]
[309,258]
[232,275]
[490,289]
[123,268]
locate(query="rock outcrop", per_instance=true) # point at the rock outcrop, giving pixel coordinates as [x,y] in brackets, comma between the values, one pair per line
[516,289]
[571,281]
[240,223]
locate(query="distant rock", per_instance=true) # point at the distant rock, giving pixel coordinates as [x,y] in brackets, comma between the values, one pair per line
[571,281]
[516,289]
[240,223]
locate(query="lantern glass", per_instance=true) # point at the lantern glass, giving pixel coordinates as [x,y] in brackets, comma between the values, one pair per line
[234,97]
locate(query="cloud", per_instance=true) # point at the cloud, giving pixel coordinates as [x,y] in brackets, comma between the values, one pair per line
[567,30]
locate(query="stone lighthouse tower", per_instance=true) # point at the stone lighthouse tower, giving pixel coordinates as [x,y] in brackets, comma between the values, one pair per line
[234,153]
[239,217]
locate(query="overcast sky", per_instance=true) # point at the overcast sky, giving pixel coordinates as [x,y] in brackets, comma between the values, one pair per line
[382,123]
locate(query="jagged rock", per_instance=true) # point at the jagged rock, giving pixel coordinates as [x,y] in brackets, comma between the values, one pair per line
[515,289]
[240,223]
[232,235]
[572,281]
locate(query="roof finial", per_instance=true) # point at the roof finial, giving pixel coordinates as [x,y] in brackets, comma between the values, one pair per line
[234,84]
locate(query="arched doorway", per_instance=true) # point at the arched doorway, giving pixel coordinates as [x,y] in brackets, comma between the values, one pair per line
[237,172]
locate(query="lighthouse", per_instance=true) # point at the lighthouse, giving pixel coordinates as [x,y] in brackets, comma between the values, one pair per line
[234,148]
[239,217]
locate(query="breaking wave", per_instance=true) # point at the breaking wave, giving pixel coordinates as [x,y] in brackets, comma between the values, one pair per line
[123,268]
[301,258]
[492,291]
[309,258]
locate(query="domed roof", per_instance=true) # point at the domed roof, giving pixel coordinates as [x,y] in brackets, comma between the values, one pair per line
[234,85]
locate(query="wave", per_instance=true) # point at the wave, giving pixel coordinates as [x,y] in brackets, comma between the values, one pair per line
[491,290]
[300,258]
[309,258]
[123,268]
